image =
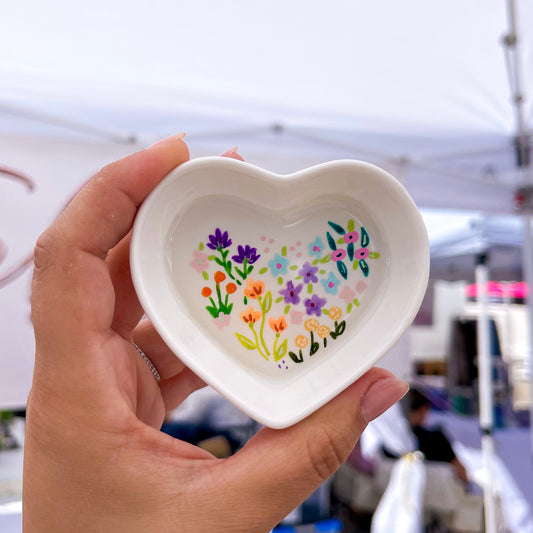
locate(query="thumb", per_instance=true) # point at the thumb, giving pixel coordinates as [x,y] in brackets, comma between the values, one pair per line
[278,469]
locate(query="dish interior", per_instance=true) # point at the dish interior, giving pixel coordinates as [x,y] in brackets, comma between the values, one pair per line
[278,290]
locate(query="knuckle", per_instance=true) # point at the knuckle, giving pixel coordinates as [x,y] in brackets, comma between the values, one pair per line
[327,449]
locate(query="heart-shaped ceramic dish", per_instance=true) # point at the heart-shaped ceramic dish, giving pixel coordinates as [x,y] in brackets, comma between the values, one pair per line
[279,291]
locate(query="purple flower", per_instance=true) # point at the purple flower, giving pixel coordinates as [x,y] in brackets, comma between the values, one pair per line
[248,253]
[308,273]
[219,240]
[292,293]
[314,305]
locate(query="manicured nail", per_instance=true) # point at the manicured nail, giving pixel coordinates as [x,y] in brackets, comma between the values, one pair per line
[383,394]
[173,138]
[231,151]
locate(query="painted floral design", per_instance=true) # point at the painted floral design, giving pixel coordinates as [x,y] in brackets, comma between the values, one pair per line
[288,306]
[308,273]
[291,294]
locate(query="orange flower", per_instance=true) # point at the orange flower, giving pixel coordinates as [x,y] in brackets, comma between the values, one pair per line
[335,313]
[231,288]
[311,324]
[279,324]
[219,277]
[254,288]
[206,292]
[301,341]
[250,315]
[323,332]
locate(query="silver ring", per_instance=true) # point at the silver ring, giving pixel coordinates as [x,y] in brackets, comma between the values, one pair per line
[149,363]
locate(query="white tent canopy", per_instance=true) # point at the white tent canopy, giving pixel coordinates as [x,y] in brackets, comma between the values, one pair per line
[420,88]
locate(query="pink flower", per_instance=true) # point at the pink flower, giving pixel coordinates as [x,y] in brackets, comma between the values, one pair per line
[361,253]
[338,255]
[347,294]
[360,287]
[221,321]
[296,317]
[353,236]
[199,261]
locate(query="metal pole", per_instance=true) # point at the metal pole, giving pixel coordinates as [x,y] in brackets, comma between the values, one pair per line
[527,269]
[485,391]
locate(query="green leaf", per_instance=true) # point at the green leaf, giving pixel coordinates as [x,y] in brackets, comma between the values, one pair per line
[315,262]
[281,351]
[205,275]
[295,358]
[298,277]
[201,246]
[365,238]
[246,342]
[287,309]
[267,302]
[373,255]
[356,302]
[350,249]
[343,271]
[355,263]
[340,241]
[322,271]
[339,229]
[293,267]
[331,241]
[364,267]
[219,261]
[280,281]
[314,348]
[351,225]
[325,312]
[349,308]
[211,257]
[278,300]
[263,270]
[284,251]
[309,288]
[213,311]
[326,258]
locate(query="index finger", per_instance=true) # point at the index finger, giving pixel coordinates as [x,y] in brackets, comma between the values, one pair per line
[72,288]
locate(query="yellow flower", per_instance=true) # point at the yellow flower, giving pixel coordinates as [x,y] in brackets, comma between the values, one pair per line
[335,313]
[254,288]
[301,341]
[323,331]
[250,315]
[278,324]
[311,324]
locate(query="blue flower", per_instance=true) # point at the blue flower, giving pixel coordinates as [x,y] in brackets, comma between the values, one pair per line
[316,247]
[219,240]
[331,285]
[278,265]
[248,253]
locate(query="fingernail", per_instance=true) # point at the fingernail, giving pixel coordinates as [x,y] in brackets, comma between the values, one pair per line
[383,394]
[231,151]
[173,138]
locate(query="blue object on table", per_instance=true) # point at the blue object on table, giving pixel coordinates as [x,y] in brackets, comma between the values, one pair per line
[331,525]
[284,529]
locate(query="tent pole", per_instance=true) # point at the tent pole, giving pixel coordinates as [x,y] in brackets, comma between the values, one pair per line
[527,267]
[485,391]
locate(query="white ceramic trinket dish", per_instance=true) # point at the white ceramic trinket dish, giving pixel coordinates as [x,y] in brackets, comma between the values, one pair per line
[279,291]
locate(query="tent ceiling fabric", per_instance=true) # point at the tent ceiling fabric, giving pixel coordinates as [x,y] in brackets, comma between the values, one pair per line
[384,81]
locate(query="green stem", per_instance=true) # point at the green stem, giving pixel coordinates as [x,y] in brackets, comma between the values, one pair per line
[221,305]
[257,341]
[226,264]
[275,349]
[259,299]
